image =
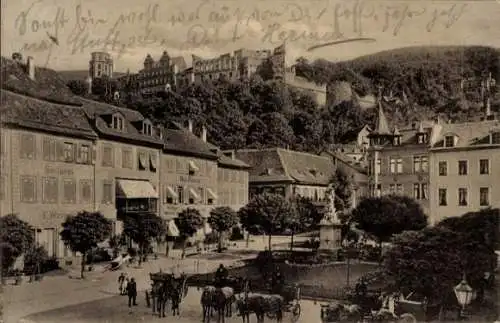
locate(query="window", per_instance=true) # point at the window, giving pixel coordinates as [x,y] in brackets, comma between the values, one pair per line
[392,188]
[416,191]
[107,156]
[49,149]
[397,140]
[484,196]
[443,200]
[118,123]
[484,166]
[28,146]
[424,194]
[69,152]
[424,164]
[416,164]
[399,165]
[84,154]
[49,189]
[69,188]
[399,189]
[147,129]
[107,192]
[443,168]
[462,167]
[85,190]
[462,196]
[28,189]
[180,194]
[495,138]
[126,158]
[377,166]
[420,138]
[392,165]
[449,141]
[143,160]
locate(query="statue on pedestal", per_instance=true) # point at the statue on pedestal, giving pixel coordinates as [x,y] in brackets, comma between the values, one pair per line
[330,225]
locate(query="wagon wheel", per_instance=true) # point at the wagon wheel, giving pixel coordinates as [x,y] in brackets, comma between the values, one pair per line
[407,318]
[296,310]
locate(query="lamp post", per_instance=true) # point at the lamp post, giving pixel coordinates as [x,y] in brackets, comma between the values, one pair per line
[464,294]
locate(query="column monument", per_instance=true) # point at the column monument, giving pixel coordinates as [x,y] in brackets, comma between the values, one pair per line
[330,239]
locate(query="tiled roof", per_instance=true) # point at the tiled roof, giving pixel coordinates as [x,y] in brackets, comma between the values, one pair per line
[359,166]
[278,164]
[48,85]
[180,62]
[468,133]
[43,115]
[182,141]
[227,161]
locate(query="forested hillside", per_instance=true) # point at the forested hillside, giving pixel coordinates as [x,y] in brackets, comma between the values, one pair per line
[417,83]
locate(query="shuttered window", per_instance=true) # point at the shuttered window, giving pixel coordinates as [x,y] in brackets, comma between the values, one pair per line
[69,191]
[28,189]
[28,146]
[50,189]
[85,190]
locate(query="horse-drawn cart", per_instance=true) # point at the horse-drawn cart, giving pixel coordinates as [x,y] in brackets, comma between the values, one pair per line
[291,301]
[166,287]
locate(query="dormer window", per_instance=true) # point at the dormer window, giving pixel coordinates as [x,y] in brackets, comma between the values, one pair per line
[397,141]
[449,141]
[495,138]
[118,123]
[147,128]
[422,138]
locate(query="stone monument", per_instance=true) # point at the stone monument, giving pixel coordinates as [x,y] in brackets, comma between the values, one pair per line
[330,238]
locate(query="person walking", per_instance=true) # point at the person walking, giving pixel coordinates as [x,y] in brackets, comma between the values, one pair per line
[132,293]
[121,282]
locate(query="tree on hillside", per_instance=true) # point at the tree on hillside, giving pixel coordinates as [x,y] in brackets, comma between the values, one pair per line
[222,219]
[188,222]
[16,237]
[266,213]
[143,230]
[388,215]
[84,231]
[78,87]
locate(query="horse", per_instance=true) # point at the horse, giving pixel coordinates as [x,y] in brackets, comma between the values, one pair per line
[337,311]
[177,291]
[260,304]
[159,296]
[219,300]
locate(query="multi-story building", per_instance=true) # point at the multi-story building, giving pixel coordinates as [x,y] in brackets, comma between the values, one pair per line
[61,154]
[242,64]
[398,159]
[465,168]
[160,75]
[287,172]
[100,64]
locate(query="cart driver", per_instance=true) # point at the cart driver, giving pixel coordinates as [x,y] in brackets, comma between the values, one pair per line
[221,276]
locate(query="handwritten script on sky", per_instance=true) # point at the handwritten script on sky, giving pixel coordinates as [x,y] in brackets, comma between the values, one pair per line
[216,23]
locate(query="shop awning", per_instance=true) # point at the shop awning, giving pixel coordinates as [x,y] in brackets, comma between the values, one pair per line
[211,194]
[172,230]
[194,195]
[135,189]
[193,167]
[171,192]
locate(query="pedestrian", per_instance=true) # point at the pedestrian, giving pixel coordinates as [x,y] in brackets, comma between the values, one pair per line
[121,281]
[132,293]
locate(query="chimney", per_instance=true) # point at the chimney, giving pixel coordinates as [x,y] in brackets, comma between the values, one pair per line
[31,67]
[204,133]
[190,126]
[233,154]
[159,128]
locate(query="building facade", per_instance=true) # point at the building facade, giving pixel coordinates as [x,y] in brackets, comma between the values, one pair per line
[58,159]
[288,173]
[161,75]
[399,160]
[465,169]
[100,64]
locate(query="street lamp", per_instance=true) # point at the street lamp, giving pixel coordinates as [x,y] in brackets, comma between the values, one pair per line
[464,294]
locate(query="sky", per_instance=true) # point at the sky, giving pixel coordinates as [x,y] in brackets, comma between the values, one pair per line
[61,34]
